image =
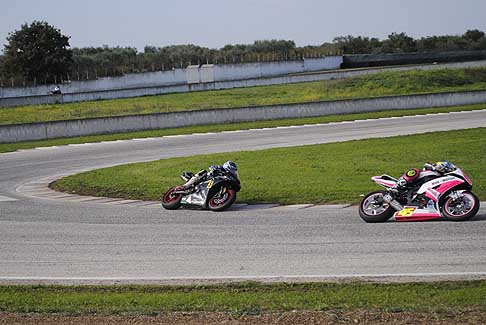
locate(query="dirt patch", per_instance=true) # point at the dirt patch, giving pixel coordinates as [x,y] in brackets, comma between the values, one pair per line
[298,317]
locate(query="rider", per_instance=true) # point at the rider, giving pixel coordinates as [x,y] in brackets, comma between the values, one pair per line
[56,90]
[411,177]
[228,167]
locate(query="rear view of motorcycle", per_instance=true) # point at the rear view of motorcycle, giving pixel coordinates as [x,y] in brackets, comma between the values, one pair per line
[214,190]
[434,195]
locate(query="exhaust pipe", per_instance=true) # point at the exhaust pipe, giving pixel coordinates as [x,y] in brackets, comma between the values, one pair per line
[391,201]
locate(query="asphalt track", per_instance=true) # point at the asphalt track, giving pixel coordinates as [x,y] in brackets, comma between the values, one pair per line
[65,240]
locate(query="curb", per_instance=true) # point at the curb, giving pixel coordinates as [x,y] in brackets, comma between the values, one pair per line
[39,189]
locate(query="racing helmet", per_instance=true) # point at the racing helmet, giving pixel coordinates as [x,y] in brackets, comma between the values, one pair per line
[230,166]
[444,166]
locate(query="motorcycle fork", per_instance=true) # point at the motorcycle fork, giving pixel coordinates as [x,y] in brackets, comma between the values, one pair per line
[222,191]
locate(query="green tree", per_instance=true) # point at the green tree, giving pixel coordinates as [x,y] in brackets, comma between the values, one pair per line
[473,35]
[356,45]
[398,43]
[37,52]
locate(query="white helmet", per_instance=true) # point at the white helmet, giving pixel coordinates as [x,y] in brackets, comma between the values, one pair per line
[231,167]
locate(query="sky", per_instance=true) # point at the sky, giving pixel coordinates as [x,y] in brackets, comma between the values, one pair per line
[215,23]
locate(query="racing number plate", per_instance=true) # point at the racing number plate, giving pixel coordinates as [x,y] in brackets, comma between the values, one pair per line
[406,212]
[210,184]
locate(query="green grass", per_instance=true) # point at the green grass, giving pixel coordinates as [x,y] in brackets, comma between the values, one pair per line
[328,173]
[7,147]
[381,84]
[250,298]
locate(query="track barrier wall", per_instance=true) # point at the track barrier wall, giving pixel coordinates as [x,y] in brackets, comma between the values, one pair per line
[192,74]
[108,125]
[216,85]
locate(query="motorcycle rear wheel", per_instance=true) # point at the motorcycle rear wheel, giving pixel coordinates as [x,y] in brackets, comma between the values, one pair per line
[373,209]
[460,209]
[171,201]
[220,203]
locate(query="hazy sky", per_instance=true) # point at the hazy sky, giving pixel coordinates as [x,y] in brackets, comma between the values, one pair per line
[214,23]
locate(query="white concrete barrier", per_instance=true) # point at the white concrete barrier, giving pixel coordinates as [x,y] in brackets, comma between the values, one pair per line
[147,91]
[192,74]
[107,125]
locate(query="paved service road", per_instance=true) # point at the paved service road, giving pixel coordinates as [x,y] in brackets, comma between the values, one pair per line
[49,240]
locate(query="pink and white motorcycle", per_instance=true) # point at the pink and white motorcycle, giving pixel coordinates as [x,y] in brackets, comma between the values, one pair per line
[434,195]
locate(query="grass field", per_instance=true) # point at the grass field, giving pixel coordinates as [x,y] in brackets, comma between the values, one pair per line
[250,298]
[7,147]
[381,84]
[328,173]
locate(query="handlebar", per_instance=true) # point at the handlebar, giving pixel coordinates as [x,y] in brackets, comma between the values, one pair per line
[429,166]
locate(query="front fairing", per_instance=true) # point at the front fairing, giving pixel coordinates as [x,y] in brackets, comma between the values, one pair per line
[460,173]
[203,190]
[198,196]
[435,188]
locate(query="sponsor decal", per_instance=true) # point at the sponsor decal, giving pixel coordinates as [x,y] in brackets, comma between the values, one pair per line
[442,180]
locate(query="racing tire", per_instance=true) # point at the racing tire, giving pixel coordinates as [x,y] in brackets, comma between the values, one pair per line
[171,201]
[372,210]
[447,207]
[219,204]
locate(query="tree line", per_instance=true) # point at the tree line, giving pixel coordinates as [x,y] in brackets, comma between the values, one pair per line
[39,54]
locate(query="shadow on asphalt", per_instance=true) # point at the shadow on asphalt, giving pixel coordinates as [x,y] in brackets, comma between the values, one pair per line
[479,217]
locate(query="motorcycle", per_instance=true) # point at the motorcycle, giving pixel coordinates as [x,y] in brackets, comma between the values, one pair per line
[216,192]
[434,196]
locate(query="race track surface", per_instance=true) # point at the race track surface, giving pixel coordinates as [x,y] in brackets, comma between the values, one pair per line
[44,240]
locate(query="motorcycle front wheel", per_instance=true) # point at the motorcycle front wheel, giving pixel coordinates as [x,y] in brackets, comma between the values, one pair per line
[222,200]
[460,209]
[374,209]
[171,200]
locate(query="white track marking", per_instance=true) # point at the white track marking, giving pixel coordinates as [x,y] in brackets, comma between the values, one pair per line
[7,199]
[392,277]
[82,144]
[237,131]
